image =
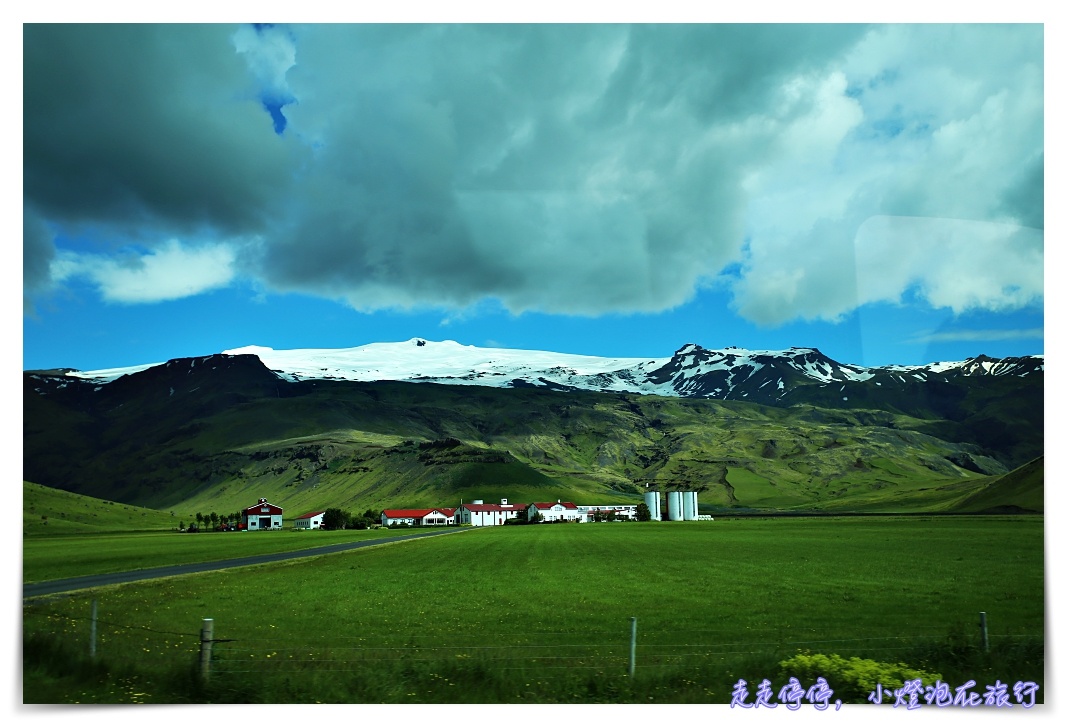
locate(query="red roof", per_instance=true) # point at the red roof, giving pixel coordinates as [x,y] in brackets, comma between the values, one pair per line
[313,514]
[547,506]
[408,512]
[450,512]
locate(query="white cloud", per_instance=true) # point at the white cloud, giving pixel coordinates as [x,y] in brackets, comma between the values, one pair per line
[167,273]
[923,172]
[269,52]
[978,335]
[956,264]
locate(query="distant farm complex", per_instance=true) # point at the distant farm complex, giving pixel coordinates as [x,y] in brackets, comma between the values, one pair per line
[681,506]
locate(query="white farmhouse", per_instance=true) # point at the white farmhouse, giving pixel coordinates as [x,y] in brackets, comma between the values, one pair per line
[310,520]
[558,511]
[418,516]
[628,512]
[487,514]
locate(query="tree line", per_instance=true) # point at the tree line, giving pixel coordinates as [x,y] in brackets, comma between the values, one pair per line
[336,519]
[212,519]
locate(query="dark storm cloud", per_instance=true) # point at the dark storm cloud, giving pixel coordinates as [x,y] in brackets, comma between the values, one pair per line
[130,126]
[38,252]
[558,168]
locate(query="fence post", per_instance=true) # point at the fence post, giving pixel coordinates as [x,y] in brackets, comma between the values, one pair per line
[982,630]
[207,631]
[633,642]
[92,632]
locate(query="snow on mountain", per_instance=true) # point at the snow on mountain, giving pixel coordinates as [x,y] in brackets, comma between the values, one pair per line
[731,373]
[447,362]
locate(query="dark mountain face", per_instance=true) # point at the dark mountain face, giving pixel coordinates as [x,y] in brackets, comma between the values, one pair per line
[69,422]
[178,420]
[215,375]
[807,376]
[747,376]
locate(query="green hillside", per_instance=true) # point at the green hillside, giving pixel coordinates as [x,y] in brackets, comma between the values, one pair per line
[51,512]
[388,444]
[1020,491]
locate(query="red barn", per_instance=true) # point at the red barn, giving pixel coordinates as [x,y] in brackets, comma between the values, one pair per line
[262,517]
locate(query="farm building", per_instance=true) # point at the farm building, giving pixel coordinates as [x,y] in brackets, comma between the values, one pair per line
[310,520]
[557,511]
[586,513]
[262,516]
[487,514]
[418,516]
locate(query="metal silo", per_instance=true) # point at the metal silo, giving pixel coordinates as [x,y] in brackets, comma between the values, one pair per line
[674,499]
[652,502]
[691,499]
[689,504]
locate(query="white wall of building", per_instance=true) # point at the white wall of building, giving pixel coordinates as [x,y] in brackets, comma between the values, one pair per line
[553,512]
[315,521]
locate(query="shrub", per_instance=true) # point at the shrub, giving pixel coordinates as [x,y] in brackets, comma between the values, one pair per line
[852,677]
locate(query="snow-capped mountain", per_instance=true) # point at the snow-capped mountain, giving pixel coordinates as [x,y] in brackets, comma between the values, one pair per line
[758,376]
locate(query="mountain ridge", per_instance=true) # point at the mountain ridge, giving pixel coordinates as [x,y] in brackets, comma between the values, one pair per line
[226,428]
[766,376]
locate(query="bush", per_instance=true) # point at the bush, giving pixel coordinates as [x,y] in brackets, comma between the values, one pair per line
[852,677]
[335,519]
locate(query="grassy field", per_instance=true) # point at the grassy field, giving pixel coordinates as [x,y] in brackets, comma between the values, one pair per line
[66,556]
[542,614]
[56,525]
[51,512]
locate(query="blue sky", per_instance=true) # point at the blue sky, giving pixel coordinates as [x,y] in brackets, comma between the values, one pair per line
[876,192]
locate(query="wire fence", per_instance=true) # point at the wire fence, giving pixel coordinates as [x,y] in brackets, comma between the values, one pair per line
[232,649]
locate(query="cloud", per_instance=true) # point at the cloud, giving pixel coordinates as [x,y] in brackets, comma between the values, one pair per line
[978,335]
[932,179]
[38,251]
[170,272]
[137,128]
[956,264]
[579,169]
[558,169]
[270,53]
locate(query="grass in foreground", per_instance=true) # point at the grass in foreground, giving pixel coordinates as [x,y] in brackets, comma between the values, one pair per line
[63,557]
[542,614]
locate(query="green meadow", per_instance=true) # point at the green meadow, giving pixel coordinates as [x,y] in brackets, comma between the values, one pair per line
[66,556]
[543,614]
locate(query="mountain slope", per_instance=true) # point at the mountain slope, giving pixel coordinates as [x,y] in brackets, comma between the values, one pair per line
[218,432]
[1020,491]
[995,403]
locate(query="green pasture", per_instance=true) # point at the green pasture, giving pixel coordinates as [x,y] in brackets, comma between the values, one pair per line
[542,614]
[52,512]
[67,556]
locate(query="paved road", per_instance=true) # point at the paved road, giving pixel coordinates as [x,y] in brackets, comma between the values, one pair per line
[57,586]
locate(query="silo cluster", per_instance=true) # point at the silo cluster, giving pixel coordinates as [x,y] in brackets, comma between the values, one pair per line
[652,501]
[681,505]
